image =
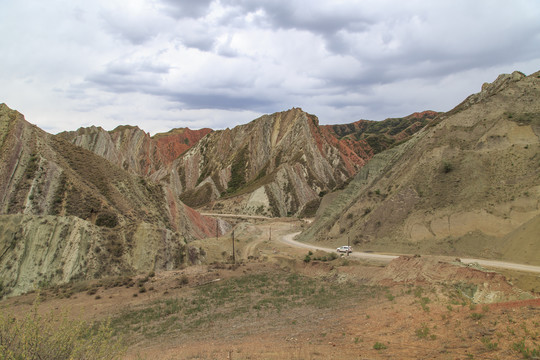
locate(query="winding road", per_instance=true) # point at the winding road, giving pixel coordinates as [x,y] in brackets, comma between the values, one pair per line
[289,240]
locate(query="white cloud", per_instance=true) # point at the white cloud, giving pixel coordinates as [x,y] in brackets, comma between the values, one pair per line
[164,63]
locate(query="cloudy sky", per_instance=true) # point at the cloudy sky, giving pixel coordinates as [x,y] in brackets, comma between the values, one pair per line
[161,64]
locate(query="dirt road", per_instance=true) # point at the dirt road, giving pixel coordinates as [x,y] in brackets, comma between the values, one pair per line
[288,239]
[237,216]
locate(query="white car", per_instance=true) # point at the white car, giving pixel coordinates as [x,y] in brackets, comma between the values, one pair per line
[344,249]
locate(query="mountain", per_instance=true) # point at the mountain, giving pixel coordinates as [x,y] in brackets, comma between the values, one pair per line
[372,137]
[279,164]
[135,150]
[466,184]
[276,165]
[66,213]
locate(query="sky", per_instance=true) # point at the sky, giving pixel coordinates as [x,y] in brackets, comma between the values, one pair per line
[163,64]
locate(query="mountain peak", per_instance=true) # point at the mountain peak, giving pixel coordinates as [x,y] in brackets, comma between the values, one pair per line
[501,82]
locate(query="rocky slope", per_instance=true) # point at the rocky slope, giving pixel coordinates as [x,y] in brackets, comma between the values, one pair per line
[281,164]
[276,165]
[372,137]
[467,184]
[135,150]
[66,213]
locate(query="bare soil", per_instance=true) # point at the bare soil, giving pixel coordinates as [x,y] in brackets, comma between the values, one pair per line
[275,304]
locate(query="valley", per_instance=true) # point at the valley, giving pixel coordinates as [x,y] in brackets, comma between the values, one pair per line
[221,244]
[273,304]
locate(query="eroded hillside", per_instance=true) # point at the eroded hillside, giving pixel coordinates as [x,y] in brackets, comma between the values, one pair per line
[66,213]
[135,150]
[277,165]
[281,164]
[466,185]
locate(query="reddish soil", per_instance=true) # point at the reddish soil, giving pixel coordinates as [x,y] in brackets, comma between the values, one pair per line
[173,144]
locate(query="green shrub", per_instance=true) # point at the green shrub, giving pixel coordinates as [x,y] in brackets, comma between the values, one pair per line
[379,346]
[422,332]
[107,219]
[476,316]
[47,338]
[447,167]
[526,351]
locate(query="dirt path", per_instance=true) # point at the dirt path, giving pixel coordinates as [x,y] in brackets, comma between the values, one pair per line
[251,247]
[288,239]
[237,216]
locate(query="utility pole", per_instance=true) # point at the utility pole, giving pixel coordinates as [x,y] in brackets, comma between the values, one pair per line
[217,228]
[233,257]
[270,236]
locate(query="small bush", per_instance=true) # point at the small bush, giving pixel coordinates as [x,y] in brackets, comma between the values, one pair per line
[183,280]
[422,332]
[491,346]
[107,219]
[92,291]
[476,316]
[379,346]
[447,167]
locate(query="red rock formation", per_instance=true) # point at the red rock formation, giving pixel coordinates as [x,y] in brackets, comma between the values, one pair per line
[172,144]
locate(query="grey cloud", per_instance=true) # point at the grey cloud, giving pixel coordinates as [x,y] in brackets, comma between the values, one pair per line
[123,77]
[185,8]
[145,78]
[137,27]
[315,16]
[221,101]
[370,59]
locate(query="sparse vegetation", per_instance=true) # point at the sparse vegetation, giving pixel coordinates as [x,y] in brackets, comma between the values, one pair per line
[527,351]
[447,167]
[525,118]
[107,219]
[238,171]
[490,346]
[252,294]
[477,316]
[46,337]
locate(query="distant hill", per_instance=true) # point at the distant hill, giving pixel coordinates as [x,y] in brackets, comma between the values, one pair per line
[376,136]
[466,184]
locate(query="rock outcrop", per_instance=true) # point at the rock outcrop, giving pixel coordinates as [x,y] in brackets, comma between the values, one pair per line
[135,150]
